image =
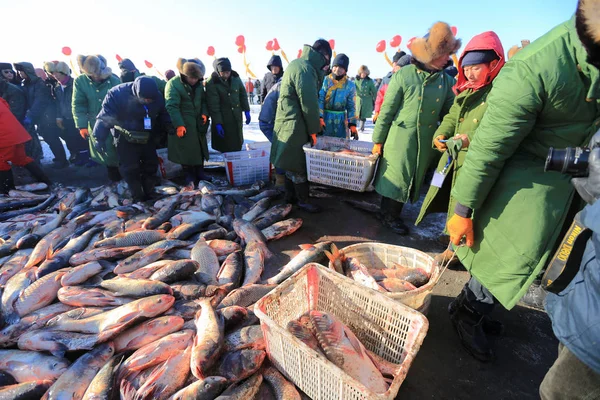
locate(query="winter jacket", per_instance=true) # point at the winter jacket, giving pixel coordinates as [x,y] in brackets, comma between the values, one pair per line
[122,108]
[186,106]
[381,91]
[249,87]
[15,97]
[270,78]
[86,104]
[575,312]
[41,107]
[464,118]
[415,101]
[297,110]
[64,99]
[159,82]
[11,130]
[227,100]
[518,209]
[337,105]
[365,97]
[268,112]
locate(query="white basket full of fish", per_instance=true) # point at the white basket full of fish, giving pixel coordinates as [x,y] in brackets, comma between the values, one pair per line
[336,339]
[247,167]
[266,146]
[402,273]
[347,164]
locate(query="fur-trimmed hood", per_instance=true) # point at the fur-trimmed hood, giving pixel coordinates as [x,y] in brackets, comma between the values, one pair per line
[193,67]
[94,66]
[587,23]
[439,41]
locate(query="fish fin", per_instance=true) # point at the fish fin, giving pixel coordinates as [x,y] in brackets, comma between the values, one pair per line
[330,256]
[59,350]
[49,253]
[358,347]
[307,247]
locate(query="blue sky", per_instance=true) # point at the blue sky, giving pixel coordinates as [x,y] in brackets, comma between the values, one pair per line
[161,31]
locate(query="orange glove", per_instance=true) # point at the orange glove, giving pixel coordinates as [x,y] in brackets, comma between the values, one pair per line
[322,124]
[439,145]
[181,131]
[354,132]
[204,119]
[377,148]
[460,226]
[375,117]
[313,139]
[84,133]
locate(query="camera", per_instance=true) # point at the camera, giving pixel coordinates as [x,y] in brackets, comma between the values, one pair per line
[571,161]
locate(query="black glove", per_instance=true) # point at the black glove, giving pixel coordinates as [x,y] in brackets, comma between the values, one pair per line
[589,187]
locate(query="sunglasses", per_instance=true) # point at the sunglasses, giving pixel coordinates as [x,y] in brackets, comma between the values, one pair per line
[7,71]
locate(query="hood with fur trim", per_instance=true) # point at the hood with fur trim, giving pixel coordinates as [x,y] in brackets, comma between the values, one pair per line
[485,41]
[436,43]
[587,23]
[94,66]
[193,67]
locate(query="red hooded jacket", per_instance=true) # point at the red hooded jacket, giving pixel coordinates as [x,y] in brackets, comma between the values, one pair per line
[11,130]
[484,41]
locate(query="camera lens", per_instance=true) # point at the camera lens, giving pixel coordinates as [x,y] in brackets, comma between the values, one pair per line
[571,161]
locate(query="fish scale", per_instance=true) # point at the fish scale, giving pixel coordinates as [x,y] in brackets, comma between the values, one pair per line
[135,238]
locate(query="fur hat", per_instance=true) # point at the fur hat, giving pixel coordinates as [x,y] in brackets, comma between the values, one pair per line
[62,67]
[50,66]
[94,66]
[587,22]
[194,68]
[365,69]
[436,43]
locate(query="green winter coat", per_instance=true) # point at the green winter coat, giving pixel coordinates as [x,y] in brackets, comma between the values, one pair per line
[297,110]
[87,103]
[464,117]
[365,97]
[227,100]
[186,107]
[414,103]
[518,209]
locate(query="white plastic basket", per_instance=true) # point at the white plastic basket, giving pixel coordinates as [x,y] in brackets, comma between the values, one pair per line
[381,256]
[247,167]
[341,170]
[266,146]
[384,326]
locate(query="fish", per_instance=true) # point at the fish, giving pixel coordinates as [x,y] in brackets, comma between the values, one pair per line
[309,254]
[386,368]
[250,233]
[80,273]
[39,294]
[28,390]
[147,271]
[336,259]
[136,288]
[208,343]
[254,262]
[247,389]
[208,388]
[257,209]
[251,191]
[282,229]
[32,187]
[152,253]
[14,265]
[102,387]
[218,233]
[135,238]
[359,273]
[147,332]
[79,296]
[57,342]
[26,366]
[344,350]
[271,193]
[35,320]
[13,289]
[233,316]
[223,247]
[246,295]
[79,209]
[48,243]
[6,215]
[188,290]
[9,246]
[304,334]
[210,203]
[21,202]
[282,388]
[43,230]
[363,205]
[232,269]
[272,215]
[416,276]
[239,365]
[163,215]
[187,229]
[175,271]
[208,261]
[74,382]
[157,352]
[250,337]
[168,379]
[28,241]
[396,285]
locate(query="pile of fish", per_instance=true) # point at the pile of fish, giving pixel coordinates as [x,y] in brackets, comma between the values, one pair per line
[396,279]
[102,297]
[327,335]
[346,151]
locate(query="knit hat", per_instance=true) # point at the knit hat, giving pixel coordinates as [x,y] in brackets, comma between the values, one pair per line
[169,74]
[127,65]
[193,67]
[322,46]
[222,64]
[62,67]
[404,60]
[145,87]
[451,70]
[478,57]
[439,41]
[398,55]
[341,60]
[4,65]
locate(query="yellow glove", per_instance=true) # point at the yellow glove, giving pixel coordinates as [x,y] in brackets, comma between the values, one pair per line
[375,117]
[377,148]
[439,145]
[458,227]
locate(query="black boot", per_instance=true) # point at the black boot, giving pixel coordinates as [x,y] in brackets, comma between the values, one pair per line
[469,325]
[148,184]
[390,216]
[137,191]
[37,172]
[200,174]
[113,174]
[304,203]
[7,181]
[290,191]
[189,177]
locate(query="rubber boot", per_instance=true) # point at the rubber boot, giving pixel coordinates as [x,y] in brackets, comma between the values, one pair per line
[469,325]
[290,191]
[490,326]
[113,174]
[37,172]
[362,126]
[304,203]
[82,158]
[279,180]
[200,174]
[7,181]
[137,191]
[189,177]
[390,216]
[148,184]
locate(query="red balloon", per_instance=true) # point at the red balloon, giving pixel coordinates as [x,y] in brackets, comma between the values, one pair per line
[299,53]
[332,43]
[276,45]
[380,48]
[66,51]
[454,30]
[240,40]
[396,40]
[148,63]
[210,51]
[119,59]
[270,45]
[409,43]
[242,49]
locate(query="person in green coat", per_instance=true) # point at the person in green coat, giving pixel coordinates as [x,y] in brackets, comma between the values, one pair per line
[511,212]
[297,121]
[227,99]
[479,64]
[366,92]
[89,90]
[186,104]
[418,97]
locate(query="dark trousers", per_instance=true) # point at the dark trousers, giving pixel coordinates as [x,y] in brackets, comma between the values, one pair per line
[391,208]
[478,297]
[138,164]
[75,143]
[50,132]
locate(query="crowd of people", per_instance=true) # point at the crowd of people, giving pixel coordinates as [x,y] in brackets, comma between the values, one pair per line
[485,125]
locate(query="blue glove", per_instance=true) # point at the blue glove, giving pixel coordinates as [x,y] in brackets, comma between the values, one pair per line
[220,130]
[248,119]
[27,122]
